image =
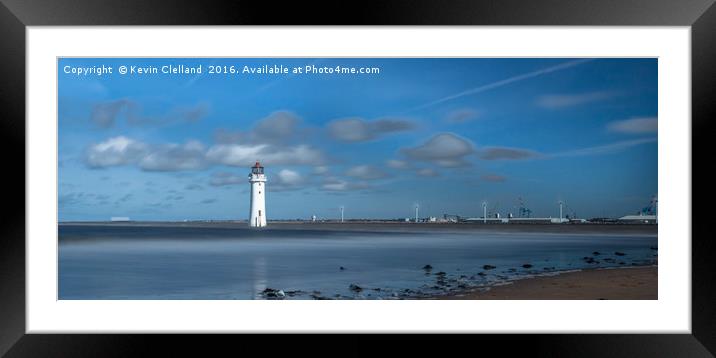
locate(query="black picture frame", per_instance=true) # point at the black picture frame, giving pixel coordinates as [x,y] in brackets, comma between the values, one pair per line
[16,15]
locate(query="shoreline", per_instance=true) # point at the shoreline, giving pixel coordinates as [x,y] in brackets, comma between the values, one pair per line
[620,283]
[583,228]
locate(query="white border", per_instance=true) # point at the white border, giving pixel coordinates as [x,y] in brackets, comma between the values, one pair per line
[670,313]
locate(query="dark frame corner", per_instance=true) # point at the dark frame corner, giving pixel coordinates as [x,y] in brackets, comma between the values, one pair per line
[16,15]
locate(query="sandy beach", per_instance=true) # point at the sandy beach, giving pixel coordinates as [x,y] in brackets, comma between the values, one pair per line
[629,283]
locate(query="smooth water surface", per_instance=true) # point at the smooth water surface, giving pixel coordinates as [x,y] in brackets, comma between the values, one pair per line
[164,262]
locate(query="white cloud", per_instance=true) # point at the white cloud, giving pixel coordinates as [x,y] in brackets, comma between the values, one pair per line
[193,155]
[427,172]
[445,149]
[366,172]
[286,179]
[349,130]
[235,154]
[243,155]
[105,114]
[397,164]
[335,184]
[174,157]
[277,128]
[321,169]
[121,150]
[115,151]
[635,125]
[289,177]
[506,153]
[360,130]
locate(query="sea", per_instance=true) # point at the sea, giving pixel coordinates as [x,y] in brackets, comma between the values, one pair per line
[234,262]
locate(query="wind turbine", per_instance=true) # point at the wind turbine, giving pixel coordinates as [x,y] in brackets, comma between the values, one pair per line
[484,212]
[342,208]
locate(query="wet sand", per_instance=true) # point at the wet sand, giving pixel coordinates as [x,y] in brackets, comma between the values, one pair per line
[632,283]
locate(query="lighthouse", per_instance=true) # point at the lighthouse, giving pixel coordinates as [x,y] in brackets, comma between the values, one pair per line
[257,218]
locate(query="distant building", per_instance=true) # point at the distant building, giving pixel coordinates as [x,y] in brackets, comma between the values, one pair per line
[639,219]
[489,220]
[119,218]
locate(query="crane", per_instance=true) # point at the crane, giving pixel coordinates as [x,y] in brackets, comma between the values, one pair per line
[571,214]
[524,212]
[651,208]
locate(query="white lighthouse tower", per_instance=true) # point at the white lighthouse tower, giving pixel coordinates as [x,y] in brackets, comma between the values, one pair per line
[258,196]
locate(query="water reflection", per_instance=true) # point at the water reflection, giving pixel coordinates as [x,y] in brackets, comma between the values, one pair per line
[259,279]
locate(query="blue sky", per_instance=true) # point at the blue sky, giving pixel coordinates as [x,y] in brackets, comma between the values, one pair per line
[446,134]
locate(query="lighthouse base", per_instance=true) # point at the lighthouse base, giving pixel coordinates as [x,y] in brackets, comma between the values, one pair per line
[257,221]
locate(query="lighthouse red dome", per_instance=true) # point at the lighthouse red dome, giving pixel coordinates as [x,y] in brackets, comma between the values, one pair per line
[257,168]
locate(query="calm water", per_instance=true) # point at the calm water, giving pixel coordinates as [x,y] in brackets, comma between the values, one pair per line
[126,262]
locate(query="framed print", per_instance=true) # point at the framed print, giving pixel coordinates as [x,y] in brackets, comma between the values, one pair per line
[533,177]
